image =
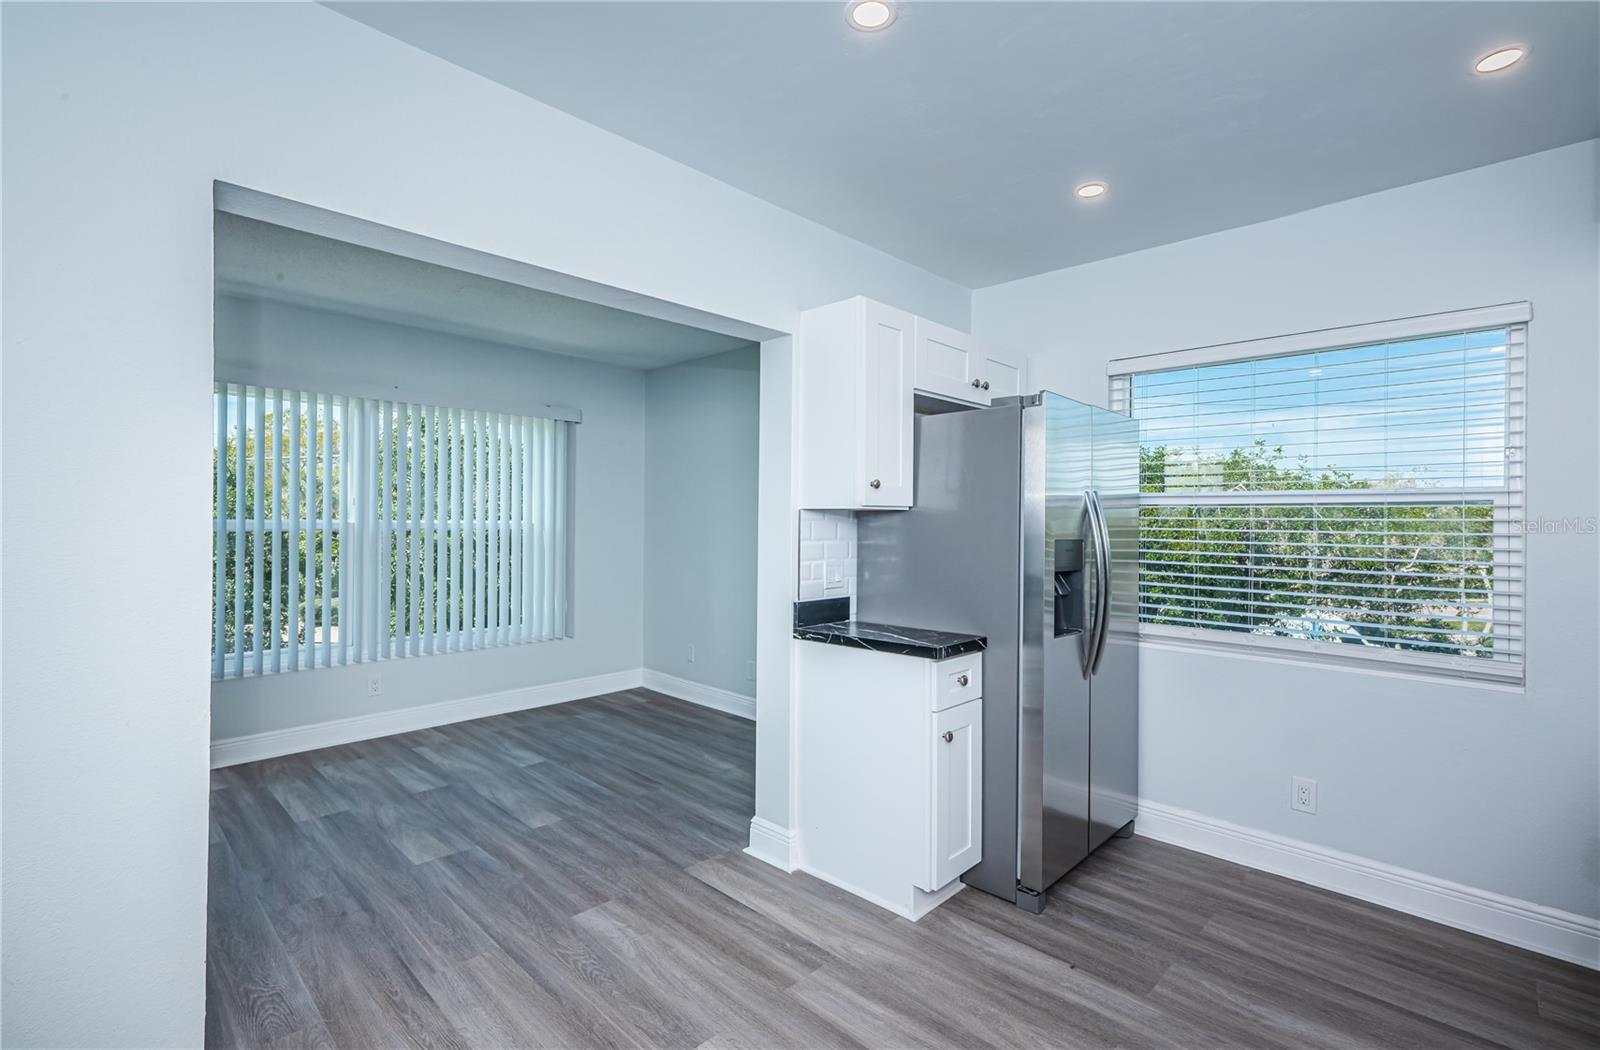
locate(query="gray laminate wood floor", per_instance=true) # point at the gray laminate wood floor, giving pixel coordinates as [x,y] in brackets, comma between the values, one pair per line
[571,876]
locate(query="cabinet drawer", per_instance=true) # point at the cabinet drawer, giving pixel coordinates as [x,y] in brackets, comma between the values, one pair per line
[957,680]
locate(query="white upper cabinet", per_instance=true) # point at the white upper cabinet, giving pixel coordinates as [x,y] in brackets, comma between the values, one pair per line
[1001,379]
[853,366]
[884,476]
[947,364]
[859,365]
[951,365]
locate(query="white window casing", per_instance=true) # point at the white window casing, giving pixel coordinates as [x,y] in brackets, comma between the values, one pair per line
[1352,494]
[350,529]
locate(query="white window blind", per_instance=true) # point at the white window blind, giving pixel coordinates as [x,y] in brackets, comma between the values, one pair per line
[1360,501]
[349,529]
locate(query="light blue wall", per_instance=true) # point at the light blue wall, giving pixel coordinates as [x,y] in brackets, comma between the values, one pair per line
[701,428]
[664,508]
[1495,789]
[117,119]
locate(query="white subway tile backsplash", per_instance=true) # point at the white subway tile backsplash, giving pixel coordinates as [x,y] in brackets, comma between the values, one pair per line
[827,555]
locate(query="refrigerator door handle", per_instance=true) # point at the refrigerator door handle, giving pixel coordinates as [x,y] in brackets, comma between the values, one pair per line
[1090,605]
[1102,583]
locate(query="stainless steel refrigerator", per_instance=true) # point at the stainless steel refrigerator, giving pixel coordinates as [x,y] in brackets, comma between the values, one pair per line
[1025,529]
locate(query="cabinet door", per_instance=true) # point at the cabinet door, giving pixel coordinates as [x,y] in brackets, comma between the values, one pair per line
[947,365]
[1005,380]
[886,409]
[957,833]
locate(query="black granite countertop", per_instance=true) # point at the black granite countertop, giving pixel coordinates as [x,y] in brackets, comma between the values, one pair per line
[889,638]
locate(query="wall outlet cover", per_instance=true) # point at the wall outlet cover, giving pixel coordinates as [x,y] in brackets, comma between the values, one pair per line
[1303,795]
[374,683]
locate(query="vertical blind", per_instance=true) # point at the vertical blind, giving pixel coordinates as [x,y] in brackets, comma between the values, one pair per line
[1365,500]
[349,529]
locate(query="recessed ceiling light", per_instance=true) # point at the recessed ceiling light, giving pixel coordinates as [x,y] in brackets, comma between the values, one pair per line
[1500,58]
[1090,190]
[869,16]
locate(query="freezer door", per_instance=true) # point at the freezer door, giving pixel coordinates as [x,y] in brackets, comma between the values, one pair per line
[1114,689]
[1053,744]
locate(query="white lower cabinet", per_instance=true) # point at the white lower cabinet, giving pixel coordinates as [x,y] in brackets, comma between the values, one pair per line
[957,794]
[890,772]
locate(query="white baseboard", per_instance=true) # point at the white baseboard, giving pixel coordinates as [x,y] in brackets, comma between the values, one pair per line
[256,746]
[926,902]
[704,695]
[771,843]
[923,901]
[1536,927]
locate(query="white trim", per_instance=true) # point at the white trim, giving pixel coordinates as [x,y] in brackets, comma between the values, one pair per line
[923,901]
[775,845]
[698,693]
[255,746]
[1507,668]
[1269,654]
[1536,927]
[1375,658]
[1326,339]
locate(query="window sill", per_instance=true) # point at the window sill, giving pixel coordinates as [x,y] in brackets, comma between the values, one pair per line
[1310,654]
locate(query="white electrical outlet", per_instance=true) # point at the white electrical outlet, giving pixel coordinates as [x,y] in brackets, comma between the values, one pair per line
[691,654]
[374,683]
[1303,794]
[750,671]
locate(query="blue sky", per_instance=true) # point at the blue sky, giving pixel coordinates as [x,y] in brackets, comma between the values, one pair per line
[1424,411]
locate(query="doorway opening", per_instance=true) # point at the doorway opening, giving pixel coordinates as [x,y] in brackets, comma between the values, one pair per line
[486,590]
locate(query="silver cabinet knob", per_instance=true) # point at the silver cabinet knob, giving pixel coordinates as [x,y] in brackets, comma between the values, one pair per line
[948,736]
[962,680]
[977,384]
[986,384]
[875,483]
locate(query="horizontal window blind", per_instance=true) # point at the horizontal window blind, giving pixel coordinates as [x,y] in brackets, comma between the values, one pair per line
[1366,496]
[351,529]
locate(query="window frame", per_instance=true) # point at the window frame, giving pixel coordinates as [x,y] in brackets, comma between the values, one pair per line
[360,516]
[1509,596]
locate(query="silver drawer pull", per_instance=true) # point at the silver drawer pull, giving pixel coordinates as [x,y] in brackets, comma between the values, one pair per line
[948,736]
[962,679]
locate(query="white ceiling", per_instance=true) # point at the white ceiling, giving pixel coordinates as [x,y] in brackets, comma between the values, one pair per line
[954,138]
[261,260]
